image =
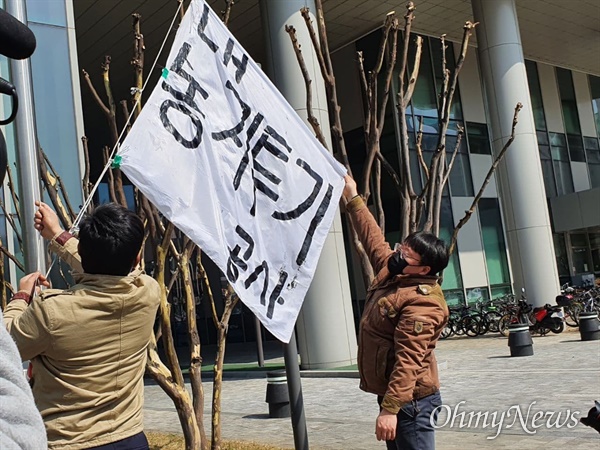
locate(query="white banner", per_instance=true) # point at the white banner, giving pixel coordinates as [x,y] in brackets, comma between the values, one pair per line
[223,156]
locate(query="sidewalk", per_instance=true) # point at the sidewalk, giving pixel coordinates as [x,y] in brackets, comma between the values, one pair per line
[563,376]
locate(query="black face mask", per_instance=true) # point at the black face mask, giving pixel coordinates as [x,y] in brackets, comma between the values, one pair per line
[396,264]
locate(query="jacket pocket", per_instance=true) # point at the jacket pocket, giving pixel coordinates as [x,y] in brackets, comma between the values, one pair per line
[381,362]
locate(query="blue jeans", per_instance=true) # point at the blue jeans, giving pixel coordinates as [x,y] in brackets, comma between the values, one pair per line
[415,430]
[135,442]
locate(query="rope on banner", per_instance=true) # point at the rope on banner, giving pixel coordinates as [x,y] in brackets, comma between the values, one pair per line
[115,161]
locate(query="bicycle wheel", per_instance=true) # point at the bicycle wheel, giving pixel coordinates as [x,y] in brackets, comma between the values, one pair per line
[457,328]
[492,318]
[505,321]
[572,315]
[472,325]
[447,331]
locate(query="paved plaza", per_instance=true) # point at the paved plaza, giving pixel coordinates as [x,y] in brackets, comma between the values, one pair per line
[477,376]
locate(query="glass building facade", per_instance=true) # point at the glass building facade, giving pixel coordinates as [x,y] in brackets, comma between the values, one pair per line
[57,104]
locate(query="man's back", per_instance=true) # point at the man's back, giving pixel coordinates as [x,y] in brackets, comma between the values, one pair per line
[88,348]
[88,382]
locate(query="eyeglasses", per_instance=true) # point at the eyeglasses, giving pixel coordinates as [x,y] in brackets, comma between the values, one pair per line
[406,256]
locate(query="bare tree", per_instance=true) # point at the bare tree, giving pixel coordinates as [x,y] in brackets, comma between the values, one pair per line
[419,210]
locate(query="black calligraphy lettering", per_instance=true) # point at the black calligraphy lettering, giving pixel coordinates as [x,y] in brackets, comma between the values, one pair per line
[274,297]
[234,260]
[233,263]
[306,204]
[262,143]
[193,88]
[202,28]
[275,135]
[313,226]
[263,267]
[237,179]
[240,64]
[196,124]
[232,133]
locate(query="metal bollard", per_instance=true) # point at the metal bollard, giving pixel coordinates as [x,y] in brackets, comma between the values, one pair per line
[589,326]
[278,396]
[519,340]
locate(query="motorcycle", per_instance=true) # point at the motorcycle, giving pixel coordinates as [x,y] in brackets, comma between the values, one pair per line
[547,318]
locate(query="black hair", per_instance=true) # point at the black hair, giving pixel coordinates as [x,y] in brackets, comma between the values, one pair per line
[432,250]
[110,239]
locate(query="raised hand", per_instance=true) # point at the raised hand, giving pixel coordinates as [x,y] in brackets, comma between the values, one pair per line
[46,221]
[350,189]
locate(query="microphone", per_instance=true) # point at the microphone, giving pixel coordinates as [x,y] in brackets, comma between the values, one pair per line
[16,40]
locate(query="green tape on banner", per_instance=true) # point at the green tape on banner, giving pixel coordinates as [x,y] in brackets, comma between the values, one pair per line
[116,162]
[165,73]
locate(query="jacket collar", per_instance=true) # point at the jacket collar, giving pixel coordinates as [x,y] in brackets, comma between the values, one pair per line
[384,279]
[107,282]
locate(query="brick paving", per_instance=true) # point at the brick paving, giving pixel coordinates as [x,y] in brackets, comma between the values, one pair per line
[562,376]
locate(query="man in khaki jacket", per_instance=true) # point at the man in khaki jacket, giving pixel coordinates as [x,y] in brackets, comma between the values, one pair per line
[88,343]
[404,315]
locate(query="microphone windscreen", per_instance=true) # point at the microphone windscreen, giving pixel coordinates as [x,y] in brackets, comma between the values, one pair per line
[16,40]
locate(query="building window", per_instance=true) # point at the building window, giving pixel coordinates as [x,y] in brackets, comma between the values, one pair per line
[561,164]
[562,261]
[595,248]
[452,274]
[575,143]
[546,160]
[535,92]
[592,150]
[460,180]
[580,253]
[478,138]
[454,297]
[568,101]
[595,93]
[493,241]
[501,290]
[477,294]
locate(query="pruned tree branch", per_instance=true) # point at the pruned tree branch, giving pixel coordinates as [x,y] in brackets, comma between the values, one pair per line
[227,13]
[408,19]
[85,182]
[94,92]
[487,179]
[412,80]
[110,175]
[321,48]
[376,111]
[50,183]
[419,147]
[138,64]
[10,256]
[61,187]
[454,153]
[312,120]
[12,224]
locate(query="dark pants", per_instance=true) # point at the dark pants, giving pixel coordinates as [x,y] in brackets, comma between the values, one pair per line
[415,430]
[135,442]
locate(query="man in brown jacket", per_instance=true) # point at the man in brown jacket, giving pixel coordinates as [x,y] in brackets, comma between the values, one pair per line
[404,315]
[88,343]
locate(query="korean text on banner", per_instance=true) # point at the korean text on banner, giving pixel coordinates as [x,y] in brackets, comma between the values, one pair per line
[223,156]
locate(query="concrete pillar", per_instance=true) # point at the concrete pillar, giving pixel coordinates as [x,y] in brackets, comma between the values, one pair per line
[522,192]
[325,327]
